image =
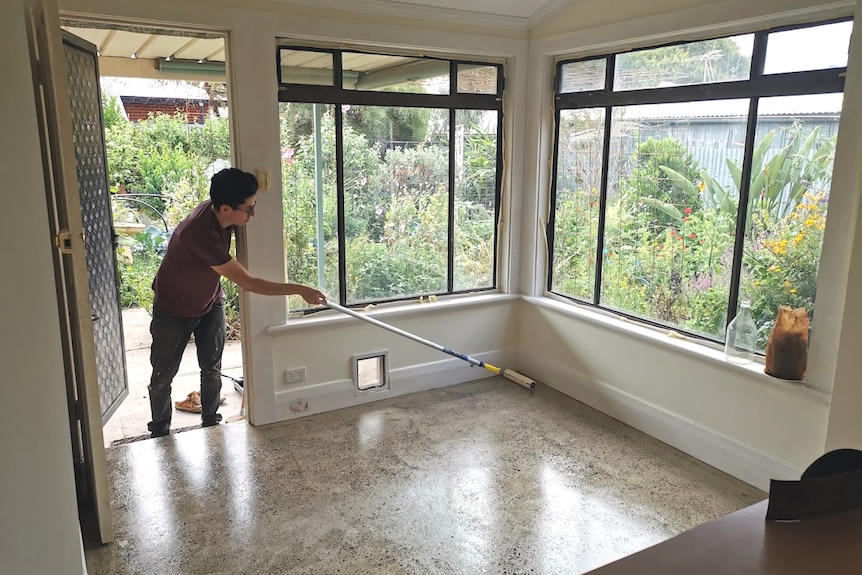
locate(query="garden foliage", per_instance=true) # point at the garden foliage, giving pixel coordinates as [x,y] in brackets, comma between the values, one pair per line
[671,227]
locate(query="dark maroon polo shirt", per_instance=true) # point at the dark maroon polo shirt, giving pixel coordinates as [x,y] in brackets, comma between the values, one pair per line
[186,285]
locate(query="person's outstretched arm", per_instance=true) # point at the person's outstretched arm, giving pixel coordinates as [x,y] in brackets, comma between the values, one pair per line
[236,272]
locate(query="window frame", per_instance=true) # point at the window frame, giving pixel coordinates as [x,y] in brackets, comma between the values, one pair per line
[758,85]
[455,101]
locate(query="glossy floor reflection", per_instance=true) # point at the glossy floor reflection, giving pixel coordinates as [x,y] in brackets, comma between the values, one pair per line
[484,477]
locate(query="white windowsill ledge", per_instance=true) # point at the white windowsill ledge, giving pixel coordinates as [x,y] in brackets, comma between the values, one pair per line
[678,343]
[391,310]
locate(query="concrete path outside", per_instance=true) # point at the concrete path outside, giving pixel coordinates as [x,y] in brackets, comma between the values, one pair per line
[130,420]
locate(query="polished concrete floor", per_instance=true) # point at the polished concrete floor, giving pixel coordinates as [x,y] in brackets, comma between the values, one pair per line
[478,478]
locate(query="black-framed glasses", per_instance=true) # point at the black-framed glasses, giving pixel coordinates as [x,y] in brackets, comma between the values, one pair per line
[247,209]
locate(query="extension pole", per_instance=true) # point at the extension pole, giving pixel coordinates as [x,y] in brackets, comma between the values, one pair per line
[512,375]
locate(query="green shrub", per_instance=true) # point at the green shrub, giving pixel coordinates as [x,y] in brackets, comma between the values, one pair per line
[137,268]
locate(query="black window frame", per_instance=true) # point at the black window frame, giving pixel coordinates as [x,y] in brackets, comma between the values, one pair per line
[758,85]
[454,101]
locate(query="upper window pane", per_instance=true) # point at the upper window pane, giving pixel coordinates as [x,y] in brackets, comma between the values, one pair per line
[583,76]
[477,79]
[384,73]
[814,48]
[306,67]
[707,62]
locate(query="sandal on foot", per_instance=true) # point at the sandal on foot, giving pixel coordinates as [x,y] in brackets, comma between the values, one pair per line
[192,403]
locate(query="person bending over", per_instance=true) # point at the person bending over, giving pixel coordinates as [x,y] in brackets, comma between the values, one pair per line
[188,298]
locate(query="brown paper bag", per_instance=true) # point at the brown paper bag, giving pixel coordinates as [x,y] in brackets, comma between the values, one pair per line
[787,347]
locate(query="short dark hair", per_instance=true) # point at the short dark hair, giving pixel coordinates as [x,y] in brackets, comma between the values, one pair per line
[231,186]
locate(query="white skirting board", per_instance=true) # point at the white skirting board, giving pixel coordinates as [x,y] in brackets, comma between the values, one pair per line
[715,449]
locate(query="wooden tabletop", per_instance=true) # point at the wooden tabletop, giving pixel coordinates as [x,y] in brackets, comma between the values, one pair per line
[744,543]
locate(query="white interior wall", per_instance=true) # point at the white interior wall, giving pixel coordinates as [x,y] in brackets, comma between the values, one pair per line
[587,19]
[486,328]
[734,418]
[38,508]
[587,14]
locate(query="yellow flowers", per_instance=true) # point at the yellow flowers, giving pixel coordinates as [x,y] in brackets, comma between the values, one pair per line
[777,248]
[810,210]
[814,197]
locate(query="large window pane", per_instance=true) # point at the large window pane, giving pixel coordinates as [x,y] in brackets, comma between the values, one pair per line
[475,198]
[309,197]
[578,191]
[671,211]
[791,179]
[391,195]
[719,60]
[396,201]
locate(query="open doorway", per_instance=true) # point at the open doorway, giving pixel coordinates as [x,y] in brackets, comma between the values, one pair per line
[165,111]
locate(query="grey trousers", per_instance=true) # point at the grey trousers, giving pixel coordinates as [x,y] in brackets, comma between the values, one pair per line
[170,337]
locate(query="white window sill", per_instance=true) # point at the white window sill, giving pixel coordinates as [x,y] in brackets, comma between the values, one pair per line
[693,348]
[392,310]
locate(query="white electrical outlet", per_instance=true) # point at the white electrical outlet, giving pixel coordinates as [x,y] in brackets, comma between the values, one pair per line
[294,375]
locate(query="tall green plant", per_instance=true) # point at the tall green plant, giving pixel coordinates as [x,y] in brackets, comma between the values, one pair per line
[778,183]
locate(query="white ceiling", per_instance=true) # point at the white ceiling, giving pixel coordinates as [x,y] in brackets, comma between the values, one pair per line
[437,9]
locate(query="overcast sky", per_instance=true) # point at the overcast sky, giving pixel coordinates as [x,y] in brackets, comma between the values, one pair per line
[805,48]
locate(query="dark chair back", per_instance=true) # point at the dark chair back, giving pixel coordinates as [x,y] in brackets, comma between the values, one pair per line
[833,463]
